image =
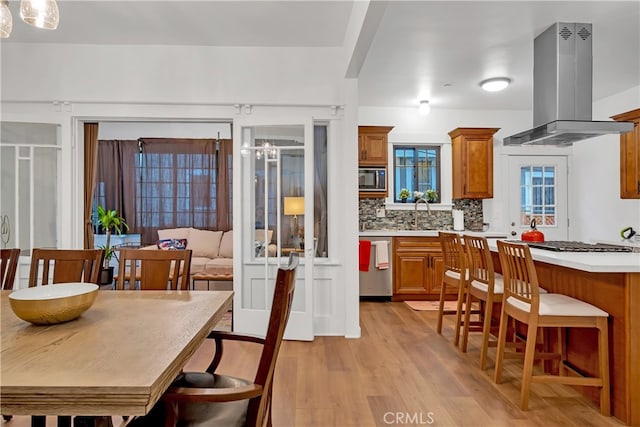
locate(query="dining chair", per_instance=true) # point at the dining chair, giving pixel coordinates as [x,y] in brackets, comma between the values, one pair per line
[154,269]
[65,265]
[51,266]
[456,275]
[8,267]
[523,301]
[207,398]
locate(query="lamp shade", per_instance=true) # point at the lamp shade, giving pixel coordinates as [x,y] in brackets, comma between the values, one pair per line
[294,205]
[40,13]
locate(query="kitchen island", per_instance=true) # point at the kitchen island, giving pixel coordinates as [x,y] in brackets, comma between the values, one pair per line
[610,281]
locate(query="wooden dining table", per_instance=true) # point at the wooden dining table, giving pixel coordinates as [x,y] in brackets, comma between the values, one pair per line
[116,359]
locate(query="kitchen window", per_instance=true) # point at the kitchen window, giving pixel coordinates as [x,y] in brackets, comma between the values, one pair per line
[416,168]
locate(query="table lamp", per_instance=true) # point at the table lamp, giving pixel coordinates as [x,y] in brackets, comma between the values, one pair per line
[294,206]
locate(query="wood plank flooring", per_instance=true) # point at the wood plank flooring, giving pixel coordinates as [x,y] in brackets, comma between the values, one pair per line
[401,372]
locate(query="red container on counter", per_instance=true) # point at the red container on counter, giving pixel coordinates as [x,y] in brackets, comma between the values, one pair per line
[532,235]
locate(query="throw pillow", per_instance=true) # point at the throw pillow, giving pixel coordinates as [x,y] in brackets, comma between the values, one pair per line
[173,233]
[204,243]
[172,244]
[226,245]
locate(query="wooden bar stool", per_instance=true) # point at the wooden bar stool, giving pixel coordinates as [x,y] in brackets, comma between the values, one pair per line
[485,285]
[456,274]
[524,302]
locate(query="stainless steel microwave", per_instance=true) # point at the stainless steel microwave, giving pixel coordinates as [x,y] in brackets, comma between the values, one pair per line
[372,179]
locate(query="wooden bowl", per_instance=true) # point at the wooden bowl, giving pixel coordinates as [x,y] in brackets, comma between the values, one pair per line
[51,304]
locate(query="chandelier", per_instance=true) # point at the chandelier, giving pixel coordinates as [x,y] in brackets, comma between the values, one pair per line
[38,13]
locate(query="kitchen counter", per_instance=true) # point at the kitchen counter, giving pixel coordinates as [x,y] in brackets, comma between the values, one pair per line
[610,281]
[429,233]
[595,262]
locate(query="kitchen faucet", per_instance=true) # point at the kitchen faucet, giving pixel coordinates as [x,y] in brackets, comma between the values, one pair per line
[415,211]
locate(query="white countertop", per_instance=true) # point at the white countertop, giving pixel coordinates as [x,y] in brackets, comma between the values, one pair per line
[596,262]
[429,233]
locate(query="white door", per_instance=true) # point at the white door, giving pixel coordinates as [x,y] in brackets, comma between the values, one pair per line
[29,190]
[538,191]
[276,206]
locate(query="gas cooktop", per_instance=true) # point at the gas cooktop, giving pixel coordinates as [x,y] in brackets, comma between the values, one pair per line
[567,246]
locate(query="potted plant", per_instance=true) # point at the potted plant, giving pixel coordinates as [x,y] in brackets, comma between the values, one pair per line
[431,195]
[109,221]
[404,195]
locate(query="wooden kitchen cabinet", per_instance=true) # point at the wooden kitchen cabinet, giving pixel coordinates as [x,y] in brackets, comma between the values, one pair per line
[373,145]
[418,266]
[472,168]
[630,156]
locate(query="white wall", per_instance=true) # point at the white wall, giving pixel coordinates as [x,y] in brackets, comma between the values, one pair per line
[135,130]
[170,74]
[594,178]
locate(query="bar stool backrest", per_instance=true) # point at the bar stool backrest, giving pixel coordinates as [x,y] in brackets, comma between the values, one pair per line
[519,272]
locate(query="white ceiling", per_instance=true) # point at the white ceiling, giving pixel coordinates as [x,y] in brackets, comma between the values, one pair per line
[436,50]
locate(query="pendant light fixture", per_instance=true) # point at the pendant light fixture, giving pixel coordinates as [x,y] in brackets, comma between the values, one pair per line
[6,21]
[40,13]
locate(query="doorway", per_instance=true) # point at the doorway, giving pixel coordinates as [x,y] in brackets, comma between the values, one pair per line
[538,192]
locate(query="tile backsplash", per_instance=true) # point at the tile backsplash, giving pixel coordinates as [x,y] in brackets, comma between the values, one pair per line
[404,219]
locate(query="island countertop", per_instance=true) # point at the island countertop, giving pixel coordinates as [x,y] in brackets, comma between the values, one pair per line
[594,262]
[429,233]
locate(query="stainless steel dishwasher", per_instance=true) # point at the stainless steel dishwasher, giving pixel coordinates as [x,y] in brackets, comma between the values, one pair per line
[377,282]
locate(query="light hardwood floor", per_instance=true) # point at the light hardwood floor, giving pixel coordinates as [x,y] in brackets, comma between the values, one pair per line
[401,372]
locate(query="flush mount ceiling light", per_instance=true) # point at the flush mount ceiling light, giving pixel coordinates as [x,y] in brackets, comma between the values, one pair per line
[40,13]
[495,84]
[424,108]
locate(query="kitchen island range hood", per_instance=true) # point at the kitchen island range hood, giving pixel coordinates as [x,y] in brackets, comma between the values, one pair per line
[562,86]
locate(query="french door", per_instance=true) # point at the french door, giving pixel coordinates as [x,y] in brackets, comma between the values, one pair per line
[538,191]
[276,205]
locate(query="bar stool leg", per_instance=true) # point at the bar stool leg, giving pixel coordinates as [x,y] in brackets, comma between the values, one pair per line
[502,343]
[461,297]
[527,371]
[441,307]
[603,359]
[467,320]
[486,330]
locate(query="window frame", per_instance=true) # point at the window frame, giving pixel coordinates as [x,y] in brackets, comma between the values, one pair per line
[394,189]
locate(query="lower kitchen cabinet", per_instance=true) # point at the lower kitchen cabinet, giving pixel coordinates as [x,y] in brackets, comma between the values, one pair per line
[418,268]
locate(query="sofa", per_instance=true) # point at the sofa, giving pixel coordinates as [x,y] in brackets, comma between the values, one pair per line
[211,250]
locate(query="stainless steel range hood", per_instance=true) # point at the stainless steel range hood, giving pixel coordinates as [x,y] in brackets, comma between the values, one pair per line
[562,85]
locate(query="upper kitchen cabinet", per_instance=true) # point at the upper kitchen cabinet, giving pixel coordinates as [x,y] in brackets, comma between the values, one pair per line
[630,156]
[472,154]
[372,145]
